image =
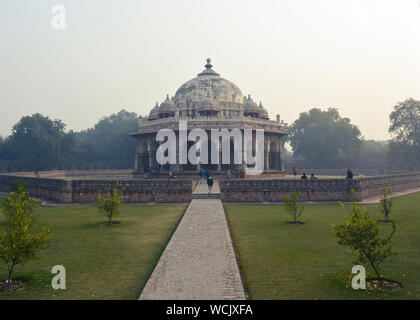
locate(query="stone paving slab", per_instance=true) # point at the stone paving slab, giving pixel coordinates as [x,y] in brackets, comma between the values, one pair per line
[199,262]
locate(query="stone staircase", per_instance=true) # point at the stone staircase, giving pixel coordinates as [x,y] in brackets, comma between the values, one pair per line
[206,196]
[201,191]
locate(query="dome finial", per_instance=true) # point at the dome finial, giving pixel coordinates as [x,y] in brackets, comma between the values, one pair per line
[208,65]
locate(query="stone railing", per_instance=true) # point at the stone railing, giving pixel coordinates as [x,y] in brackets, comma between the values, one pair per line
[274,190]
[86,191]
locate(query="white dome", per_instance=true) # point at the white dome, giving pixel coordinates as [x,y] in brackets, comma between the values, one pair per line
[223,93]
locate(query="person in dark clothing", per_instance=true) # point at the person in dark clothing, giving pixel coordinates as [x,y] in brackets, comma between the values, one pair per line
[207,174]
[294,171]
[171,175]
[349,174]
[304,177]
[210,184]
[201,175]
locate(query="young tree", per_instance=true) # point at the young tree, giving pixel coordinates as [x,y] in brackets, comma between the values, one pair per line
[110,204]
[386,203]
[293,206]
[17,244]
[361,235]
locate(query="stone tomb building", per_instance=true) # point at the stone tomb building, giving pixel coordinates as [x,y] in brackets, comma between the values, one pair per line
[208,102]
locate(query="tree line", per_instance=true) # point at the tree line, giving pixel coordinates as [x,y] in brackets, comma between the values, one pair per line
[319,139]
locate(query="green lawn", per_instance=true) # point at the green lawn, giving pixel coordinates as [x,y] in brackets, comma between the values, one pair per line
[283,261]
[101,262]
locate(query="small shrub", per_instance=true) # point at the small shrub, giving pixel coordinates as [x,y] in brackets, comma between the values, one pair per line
[293,205]
[110,204]
[360,234]
[386,203]
[17,244]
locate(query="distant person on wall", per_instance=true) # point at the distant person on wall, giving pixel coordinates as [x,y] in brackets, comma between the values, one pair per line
[210,184]
[242,174]
[304,177]
[312,177]
[171,175]
[349,174]
[228,174]
[294,171]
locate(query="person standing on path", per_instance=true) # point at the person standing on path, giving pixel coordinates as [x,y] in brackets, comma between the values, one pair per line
[201,175]
[210,184]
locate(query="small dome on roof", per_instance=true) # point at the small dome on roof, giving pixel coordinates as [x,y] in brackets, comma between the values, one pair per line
[167,107]
[250,107]
[154,113]
[263,114]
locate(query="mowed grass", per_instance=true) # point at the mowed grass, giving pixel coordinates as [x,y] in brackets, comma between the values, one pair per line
[101,262]
[284,261]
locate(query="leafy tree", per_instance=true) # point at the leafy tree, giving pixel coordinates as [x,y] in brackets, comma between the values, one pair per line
[323,136]
[36,143]
[109,140]
[361,235]
[110,204]
[292,205]
[17,243]
[405,129]
[386,202]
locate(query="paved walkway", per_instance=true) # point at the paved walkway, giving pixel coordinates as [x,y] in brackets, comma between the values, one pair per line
[376,199]
[199,261]
[202,188]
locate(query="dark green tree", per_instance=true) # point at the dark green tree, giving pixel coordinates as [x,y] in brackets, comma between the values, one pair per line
[323,136]
[405,130]
[109,140]
[36,143]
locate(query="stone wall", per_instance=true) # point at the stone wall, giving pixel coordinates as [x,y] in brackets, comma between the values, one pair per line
[86,191]
[371,186]
[274,190]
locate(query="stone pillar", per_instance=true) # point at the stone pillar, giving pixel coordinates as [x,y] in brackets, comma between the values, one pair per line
[139,154]
[136,157]
[219,147]
[176,168]
[266,152]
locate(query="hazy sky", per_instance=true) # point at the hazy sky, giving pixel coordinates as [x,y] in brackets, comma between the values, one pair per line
[359,56]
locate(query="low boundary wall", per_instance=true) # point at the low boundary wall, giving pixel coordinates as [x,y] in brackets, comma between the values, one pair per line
[86,191]
[236,190]
[274,190]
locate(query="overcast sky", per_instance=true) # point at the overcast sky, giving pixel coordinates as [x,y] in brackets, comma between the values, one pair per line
[361,57]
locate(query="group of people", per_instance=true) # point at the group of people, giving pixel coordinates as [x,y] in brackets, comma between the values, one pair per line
[304,177]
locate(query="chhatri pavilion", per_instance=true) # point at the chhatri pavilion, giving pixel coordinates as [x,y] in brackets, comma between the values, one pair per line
[207,102]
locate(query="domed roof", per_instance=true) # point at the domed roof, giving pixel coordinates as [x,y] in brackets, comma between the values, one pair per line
[263,114]
[167,106]
[208,82]
[250,107]
[154,113]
